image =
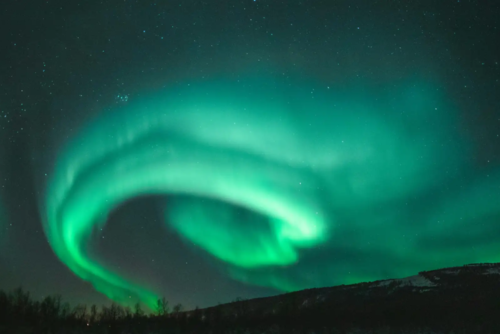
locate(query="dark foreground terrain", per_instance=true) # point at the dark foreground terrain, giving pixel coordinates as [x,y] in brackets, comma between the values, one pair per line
[452,300]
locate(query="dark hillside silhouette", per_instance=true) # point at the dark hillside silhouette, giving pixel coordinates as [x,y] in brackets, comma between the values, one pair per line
[452,300]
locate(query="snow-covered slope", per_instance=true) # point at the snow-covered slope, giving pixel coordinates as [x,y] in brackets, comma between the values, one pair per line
[447,281]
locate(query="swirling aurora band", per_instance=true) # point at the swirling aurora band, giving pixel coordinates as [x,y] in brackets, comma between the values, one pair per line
[295,156]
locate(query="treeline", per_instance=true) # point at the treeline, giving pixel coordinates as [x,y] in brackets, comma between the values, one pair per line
[19,313]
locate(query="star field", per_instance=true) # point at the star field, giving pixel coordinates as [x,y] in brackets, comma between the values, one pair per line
[206,151]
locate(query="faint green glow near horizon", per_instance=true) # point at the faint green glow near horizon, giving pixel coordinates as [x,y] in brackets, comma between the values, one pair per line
[3,221]
[262,173]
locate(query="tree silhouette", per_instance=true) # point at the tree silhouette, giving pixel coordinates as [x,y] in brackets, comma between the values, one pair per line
[162,307]
[93,314]
[177,308]
[138,312]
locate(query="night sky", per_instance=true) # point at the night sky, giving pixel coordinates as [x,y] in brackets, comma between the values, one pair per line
[208,150]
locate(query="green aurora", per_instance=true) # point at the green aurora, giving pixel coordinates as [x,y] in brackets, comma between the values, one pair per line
[268,174]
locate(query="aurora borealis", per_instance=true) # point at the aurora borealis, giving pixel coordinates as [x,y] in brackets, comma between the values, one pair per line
[314,164]
[252,193]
